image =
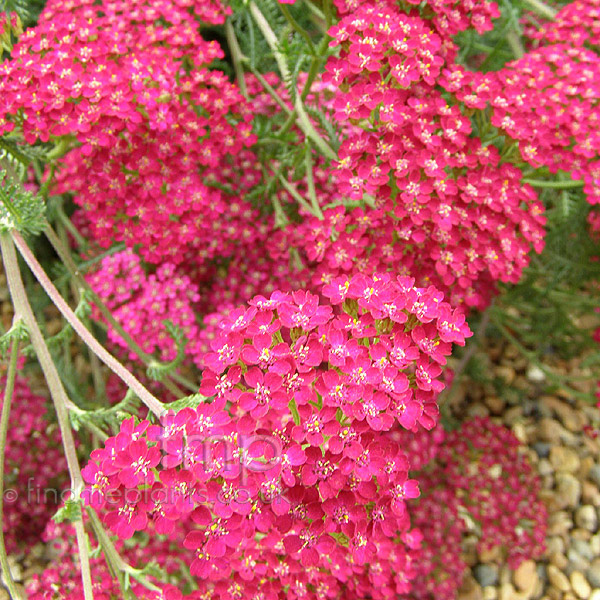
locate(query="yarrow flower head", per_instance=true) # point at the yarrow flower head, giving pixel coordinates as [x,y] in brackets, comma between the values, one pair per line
[298,500]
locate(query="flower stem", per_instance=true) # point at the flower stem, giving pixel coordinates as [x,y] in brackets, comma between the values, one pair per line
[114,560]
[291,189]
[237,57]
[514,41]
[153,403]
[269,88]
[8,395]
[297,27]
[312,194]
[57,391]
[302,119]
[555,185]
[541,9]
[65,256]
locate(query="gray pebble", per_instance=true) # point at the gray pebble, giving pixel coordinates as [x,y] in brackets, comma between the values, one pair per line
[594,475]
[542,449]
[593,573]
[486,574]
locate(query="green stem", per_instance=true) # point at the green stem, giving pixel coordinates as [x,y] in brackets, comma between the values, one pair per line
[312,194]
[62,147]
[57,391]
[114,560]
[8,395]
[328,13]
[541,9]
[236,56]
[268,87]
[314,68]
[73,269]
[303,120]
[514,41]
[555,185]
[60,213]
[472,346]
[297,27]
[153,403]
[319,18]
[296,195]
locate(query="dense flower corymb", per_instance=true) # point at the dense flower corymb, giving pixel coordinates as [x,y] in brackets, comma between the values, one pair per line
[293,465]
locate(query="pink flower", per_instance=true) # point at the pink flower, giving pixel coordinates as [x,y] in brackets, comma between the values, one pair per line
[311,542]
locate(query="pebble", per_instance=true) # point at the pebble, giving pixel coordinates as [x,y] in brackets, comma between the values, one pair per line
[544,467]
[593,573]
[552,431]
[542,449]
[535,374]
[572,419]
[486,575]
[558,579]
[580,586]
[586,517]
[587,463]
[558,560]
[559,523]
[507,374]
[576,561]
[15,570]
[469,590]
[568,490]
[594,475]
[555,545]
[507,592]
[583,548]
[581,534]
[590,494]
[490,593]
[495,404]
[564,460]
[595,595]
[526,578]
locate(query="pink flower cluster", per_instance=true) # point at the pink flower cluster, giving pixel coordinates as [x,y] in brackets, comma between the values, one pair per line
[142,303]
[478,476]
[289,478]
[35,469]
[293,478]
[130,83]
[447,210]
[548,100]
[577,23]
[447,16]
[61,579]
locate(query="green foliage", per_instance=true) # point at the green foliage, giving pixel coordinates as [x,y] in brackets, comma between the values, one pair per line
[70,511]
[17,331]
[108,418]
[158,370]
[192,401]
[27,10]
[54,342]
[20,210]
[557,289]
